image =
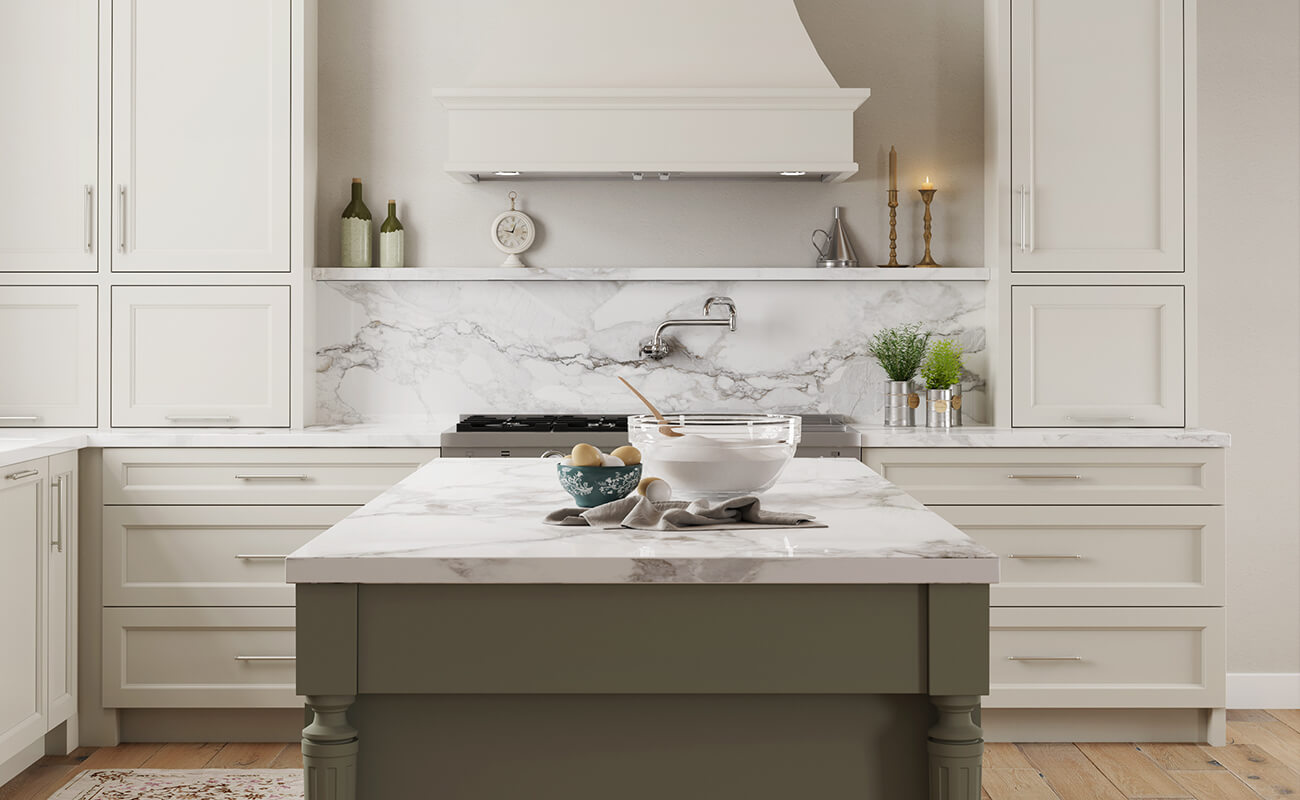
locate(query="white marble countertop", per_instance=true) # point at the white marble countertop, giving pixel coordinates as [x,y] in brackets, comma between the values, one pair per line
[22,444]
[985,436]
[480,521]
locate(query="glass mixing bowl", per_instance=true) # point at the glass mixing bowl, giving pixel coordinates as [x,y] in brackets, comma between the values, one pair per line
[719,455]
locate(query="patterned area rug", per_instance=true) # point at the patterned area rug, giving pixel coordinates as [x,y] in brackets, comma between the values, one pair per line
[184,784]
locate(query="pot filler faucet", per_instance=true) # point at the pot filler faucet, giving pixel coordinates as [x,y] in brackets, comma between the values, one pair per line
[659,346]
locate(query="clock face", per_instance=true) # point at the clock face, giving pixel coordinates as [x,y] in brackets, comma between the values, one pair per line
[513,232]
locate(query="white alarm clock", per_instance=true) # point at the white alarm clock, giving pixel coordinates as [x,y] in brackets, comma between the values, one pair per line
[513,232]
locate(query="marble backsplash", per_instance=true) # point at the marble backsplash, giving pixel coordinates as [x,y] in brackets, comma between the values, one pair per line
[410,351]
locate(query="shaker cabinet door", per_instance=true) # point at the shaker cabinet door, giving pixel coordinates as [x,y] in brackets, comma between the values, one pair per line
[50,361]
[60,547]
[1097,136]
[200,356]
[23,519]
[49,92]
[201,136]
[1097,356]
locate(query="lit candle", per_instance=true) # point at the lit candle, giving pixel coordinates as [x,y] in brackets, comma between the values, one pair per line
[927,184]
[893,169]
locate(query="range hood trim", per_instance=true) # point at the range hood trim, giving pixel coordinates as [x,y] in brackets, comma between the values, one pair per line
[491,128]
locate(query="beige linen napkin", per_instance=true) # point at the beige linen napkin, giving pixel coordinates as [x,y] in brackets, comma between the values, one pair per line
[641,513]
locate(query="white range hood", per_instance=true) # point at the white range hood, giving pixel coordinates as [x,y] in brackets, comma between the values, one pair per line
[647,90]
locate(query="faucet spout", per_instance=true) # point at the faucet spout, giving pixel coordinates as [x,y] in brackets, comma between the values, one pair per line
[658,346]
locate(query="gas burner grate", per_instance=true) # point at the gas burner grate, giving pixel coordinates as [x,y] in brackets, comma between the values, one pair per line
[541,423]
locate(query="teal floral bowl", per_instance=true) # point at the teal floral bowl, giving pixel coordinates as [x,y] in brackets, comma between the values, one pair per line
[596,486]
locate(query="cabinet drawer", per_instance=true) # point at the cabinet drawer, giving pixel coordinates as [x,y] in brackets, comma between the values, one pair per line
[199,658]
[252,476]
[1055,476]
[206,555]
[1100,555]
[1106,658]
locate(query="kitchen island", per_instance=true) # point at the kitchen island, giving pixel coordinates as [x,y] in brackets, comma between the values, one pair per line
[451,643]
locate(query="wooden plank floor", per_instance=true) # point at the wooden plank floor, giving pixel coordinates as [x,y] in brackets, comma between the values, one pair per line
[1261,760]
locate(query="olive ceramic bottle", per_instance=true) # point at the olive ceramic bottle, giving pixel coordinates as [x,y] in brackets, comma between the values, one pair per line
[392,240]
[356,231]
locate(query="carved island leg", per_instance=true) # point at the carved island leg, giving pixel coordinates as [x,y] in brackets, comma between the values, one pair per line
[329,750]
[956,746]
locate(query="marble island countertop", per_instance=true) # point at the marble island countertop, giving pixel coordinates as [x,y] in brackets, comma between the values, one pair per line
[987,436]
[480,521]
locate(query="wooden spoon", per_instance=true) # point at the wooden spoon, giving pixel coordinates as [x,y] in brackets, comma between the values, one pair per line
[664,429]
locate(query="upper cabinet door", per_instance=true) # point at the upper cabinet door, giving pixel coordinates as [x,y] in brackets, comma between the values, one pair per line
[201,136]
[51,359]
[1097,136]
[49,93]
[1097,356]
[200,356]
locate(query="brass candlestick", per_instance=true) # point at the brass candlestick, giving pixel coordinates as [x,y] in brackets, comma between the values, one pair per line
[927,195]
[893,231]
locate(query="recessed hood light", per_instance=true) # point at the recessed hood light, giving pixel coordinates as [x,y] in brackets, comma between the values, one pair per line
[793,173]
[506,173]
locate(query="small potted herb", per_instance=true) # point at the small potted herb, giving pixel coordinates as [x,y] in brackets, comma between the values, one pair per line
[942,375]
[900,350]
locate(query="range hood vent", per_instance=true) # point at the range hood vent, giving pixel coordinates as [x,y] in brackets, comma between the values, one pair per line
[720,89]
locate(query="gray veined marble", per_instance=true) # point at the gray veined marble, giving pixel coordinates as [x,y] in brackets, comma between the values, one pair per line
[481,521]
[413,350]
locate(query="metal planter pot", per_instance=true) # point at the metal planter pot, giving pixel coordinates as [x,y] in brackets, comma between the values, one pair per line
[900,404]
[937,404]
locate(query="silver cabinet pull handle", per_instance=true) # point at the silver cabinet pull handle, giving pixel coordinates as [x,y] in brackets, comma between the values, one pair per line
[1100,419]
[1015,477]
[121,218]
[1015,555]
[57,486]
[271,477]
[198,418]
[256,556]
[19,419]
[22,473]
[266,658]
[1024,218]
[88,216]
[1044,658]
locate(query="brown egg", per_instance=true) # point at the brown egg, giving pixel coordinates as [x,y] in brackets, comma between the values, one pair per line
[656,489]
[585,455]
[628,454]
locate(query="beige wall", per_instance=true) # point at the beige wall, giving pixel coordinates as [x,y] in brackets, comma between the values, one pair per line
[923,61]
[1249,97]
[381,60]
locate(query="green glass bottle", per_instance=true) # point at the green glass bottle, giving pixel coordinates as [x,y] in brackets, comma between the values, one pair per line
[356,230]
[392,245]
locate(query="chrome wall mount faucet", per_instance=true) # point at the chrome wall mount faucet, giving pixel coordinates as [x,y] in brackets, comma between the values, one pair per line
[660,346]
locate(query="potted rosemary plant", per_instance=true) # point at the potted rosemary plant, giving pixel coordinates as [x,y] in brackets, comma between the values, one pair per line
[942,375]
[900,350]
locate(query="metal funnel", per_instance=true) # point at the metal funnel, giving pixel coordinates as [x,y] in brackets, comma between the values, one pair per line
[837,250]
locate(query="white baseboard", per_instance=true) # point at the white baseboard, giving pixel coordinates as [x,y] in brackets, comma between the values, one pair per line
[1264,690]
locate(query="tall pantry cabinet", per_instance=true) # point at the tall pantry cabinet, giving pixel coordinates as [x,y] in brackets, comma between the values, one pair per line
[1090,191]
[159,172]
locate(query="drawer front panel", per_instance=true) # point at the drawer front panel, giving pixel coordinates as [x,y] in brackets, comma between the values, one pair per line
[253,476]
[199,658]
[206,555]
[1051,476]
[1100,555]
[1106,658]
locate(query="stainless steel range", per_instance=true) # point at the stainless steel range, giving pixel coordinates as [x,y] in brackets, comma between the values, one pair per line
[531,435]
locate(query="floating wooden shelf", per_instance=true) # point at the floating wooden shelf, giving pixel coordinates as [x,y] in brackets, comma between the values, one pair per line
[649,274]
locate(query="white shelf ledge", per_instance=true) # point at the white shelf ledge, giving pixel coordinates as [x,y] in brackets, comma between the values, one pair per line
[649,274]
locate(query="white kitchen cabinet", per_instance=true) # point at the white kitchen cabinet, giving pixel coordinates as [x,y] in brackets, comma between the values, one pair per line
[50,362]
[201,136]
[60,547]
[196,356]
[48,89]
[1097,356]
[1097,136]
[24,513]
